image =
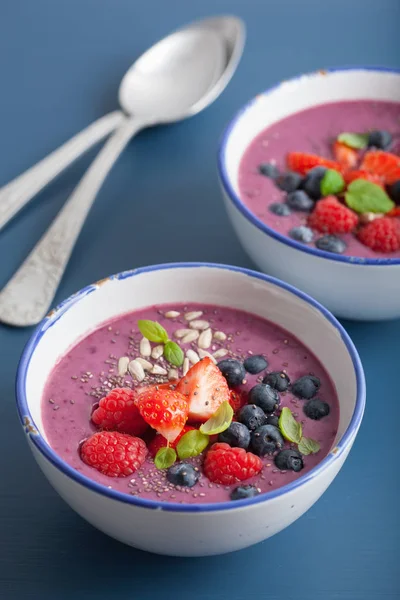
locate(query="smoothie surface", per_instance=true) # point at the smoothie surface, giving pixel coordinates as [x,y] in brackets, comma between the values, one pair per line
[311,131]
[89,371]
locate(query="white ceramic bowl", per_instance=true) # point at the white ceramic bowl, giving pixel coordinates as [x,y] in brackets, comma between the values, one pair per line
[353,288]
[201,529]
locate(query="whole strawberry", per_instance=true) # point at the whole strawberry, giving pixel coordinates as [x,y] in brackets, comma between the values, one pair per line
[330,216]
[226,465]
[165,410]
[114,454]
[117,412]
[381,235]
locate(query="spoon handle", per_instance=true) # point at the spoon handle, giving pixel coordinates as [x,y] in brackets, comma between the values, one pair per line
[19,191]
[28,295]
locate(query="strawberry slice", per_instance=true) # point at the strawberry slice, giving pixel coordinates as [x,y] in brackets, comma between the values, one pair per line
[384,164]
[159,441]
[205,388]
[363,174]
[347,157]
[237,399]
[165,410]
[302,162]
[395,212]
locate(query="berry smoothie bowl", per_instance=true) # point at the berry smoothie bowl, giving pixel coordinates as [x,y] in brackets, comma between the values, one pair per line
[182,408]
[310,172]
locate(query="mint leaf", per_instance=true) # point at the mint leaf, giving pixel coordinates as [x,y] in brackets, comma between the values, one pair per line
[192,444]
[358,141]
[173,354]
[219,421]
[332,183]
[364,196]
[153,331]
[165,458]
[308,446]
[289,427]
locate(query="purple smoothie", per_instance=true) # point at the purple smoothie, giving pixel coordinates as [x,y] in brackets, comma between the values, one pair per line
[311,131]
[89,370]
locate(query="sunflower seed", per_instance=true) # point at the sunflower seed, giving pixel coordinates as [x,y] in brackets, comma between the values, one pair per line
[199,324]
[136,370]
[172,314]
[145,348]
[220,353]
[195,314]
[185,367]
[205,339]
[180,333]
[192,356]
[157,370]
[205,354]
[157,352]
[173,374]
[220,336]
[147,366]
[190,337]
[123,363]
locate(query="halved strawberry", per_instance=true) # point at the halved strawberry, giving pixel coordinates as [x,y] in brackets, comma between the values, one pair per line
[395,212]
[348,157]
[350,176]
[384,164]
[205,389]
[165,410]
[159,441]
[302,162]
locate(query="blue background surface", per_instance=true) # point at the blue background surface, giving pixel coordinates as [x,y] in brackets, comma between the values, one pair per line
[60,65]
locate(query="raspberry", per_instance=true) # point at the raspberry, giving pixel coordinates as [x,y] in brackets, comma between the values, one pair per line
[114,454]
[117,412]
[227,465]
[330,216]
[159,441]
[382,235]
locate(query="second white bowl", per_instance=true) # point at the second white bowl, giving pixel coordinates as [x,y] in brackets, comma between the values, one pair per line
[353,288]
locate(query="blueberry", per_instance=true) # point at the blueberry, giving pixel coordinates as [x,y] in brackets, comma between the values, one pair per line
[380,139]
[183,474]
[269,170]
[273,420]
[312,182]
[299,200]
[277,380]
[289,182]
[255,364]
[236,435]
[306,387]
[233,371]
[394,191]
[316,409]
[302,234]
[331,243]
[289,460]
[264,396]
[280,209]
[244,491]
[252,416]
[266,440]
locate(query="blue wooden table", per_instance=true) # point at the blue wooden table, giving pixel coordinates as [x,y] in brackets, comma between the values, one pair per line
[60,65]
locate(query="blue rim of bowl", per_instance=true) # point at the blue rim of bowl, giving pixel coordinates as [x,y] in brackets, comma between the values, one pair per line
[44,448]
[250,216]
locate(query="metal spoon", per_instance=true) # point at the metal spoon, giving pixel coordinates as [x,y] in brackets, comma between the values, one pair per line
[18,192]
[173,80]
